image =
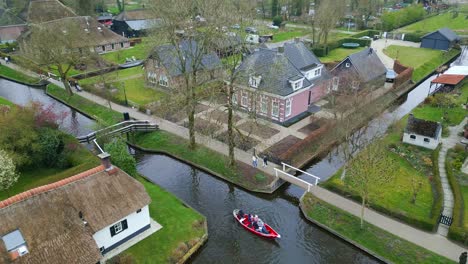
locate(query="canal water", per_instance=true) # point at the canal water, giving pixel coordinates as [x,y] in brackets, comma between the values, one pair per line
[301,241]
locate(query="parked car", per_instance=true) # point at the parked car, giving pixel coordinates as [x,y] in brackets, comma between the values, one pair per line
[365,37]
[251,30]
[273,27]
[236,26]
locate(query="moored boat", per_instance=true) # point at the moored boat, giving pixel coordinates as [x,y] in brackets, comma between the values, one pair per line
[267,232]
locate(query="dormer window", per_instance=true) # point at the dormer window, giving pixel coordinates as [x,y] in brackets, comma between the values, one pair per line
[254,81]
[15,244]
[296,82]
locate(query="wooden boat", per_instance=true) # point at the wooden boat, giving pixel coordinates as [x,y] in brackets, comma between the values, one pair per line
[272,234]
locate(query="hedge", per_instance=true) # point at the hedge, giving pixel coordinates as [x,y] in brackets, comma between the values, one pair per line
[457,231]
[369,33]
[438,197]
[323,50]
[414,37]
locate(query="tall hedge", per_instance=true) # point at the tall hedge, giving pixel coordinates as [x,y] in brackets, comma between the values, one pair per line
[396,19]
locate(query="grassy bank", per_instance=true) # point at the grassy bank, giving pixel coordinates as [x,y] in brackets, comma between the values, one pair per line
[103,114]
[139,51]
[339,54]
[16,75]
[371,237]
[424,61]
[4,101]
[182,228]
[81,160]
[433,23]
[243,175]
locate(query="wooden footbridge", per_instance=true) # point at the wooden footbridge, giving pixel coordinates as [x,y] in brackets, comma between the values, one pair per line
[286,175]
[118,129]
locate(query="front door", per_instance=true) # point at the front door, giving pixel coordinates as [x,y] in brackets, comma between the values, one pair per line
[310,96]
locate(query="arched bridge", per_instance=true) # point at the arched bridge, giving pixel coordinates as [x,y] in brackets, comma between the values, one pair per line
[120,128]
[285,174]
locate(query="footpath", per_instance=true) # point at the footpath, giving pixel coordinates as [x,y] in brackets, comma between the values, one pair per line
[431,241]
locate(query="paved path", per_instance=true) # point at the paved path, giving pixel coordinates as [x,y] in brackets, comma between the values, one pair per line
[380,44]
[448,143]
[431,241]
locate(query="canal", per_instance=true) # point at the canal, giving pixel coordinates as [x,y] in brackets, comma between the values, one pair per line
[301,241]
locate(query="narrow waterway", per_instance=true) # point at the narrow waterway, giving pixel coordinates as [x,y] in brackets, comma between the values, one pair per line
[301,241]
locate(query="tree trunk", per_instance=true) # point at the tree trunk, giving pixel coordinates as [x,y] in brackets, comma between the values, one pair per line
[63,76]
[230,124]
[191,112]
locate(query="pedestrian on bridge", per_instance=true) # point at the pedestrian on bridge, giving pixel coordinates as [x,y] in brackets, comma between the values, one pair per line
[254,161]
[265,161]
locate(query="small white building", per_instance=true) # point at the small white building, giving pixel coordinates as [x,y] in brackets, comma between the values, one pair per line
[76,220]
[422,133]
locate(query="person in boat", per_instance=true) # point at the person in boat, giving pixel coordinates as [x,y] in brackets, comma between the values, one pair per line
[241,216]
[255,226]
[261,226]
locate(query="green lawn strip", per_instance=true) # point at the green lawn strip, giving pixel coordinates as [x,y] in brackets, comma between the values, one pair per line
[287,35]
[424,61]
[464,190]
[395,196]
[101,113]
[436,22]
[139,51]
[81,160]
[375,239]
[339,54]
[16,75]
[180,225]
[4,101]
[113,76]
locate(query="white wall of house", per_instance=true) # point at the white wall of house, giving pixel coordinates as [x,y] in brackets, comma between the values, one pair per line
[135,222]
[422,141]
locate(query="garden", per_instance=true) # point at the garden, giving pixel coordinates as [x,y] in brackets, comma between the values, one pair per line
[424,61]
[455,22]
[139,51]
[339,54]
[381,242]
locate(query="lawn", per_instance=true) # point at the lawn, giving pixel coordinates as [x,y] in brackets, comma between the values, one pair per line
[103,114]
[396,195]
[16,75]
[464,190]
[133,81]
[4,101]
[139,51]
[288,34]
[424,61]
[81,160]
[339,54]
[430,24]
[377,240]
[182,227]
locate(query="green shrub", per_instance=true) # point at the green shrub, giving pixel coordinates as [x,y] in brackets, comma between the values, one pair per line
[369,33]
[320,51]
[259,177]
[120,156]
[414,36]
[277,20]
[52,146]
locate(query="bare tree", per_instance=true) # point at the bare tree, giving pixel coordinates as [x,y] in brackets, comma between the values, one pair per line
[326,16]
[57,45]
[369,170]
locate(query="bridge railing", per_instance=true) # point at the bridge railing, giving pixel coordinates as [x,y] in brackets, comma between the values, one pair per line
[299,170]
[120,128]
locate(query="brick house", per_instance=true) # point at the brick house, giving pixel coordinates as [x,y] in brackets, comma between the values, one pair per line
[280,84]
[163,67]
[360,70]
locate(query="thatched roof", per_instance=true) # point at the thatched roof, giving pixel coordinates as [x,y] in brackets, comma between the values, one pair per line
[422,127]
[47,10]
[48,216]
[138,14]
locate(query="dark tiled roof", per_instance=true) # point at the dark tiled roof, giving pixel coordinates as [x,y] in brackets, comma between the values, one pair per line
[446,32]
[422,127]
[277,68]
[367,64]
[48,216]
[168,56]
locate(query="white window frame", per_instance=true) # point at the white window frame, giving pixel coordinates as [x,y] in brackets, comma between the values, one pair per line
[347,64]
[335,83]
[118,228]
[254,81]
[273,108]
[163,80]
[288,107]
[264,105]
[245,96]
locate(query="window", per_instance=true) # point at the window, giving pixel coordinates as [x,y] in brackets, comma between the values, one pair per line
[263,105]
[118,227]
[152,77]
[297,85]
[318,72]
[413,137]
[347,65]
[113,46]
[336,82]
[275,108]
[121,44]
[138,211]
[103,48]
[288,107]
[426,140]
[254,81]
[163,81]
[244,99]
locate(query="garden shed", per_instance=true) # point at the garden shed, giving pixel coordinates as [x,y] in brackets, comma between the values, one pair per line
[442,39]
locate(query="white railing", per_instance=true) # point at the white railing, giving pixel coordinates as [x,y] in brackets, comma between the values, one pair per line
[294,180]
[304,172]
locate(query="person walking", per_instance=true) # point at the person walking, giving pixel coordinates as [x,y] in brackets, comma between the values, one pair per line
[254,161]
[265,161]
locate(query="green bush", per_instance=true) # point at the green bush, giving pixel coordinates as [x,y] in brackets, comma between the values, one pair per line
[320,51]
[369,33]
[277,20]
[438,195]
[52,146]
[402,17]
[120,156]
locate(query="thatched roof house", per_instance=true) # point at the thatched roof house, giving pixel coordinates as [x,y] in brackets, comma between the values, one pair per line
[48,10]
[74,220]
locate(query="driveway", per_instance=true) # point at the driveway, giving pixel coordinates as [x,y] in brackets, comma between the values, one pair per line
[380,44]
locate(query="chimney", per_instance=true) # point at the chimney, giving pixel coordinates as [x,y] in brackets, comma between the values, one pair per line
[105,161]
[297,40]
[281,49]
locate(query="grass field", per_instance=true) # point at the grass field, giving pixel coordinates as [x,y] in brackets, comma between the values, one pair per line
[289,34]
[424,61]
[139,51]
[4,101]
[103,114]
[181,225]
[114,76]
[458,24]
[16,75]
[379,241]
[339,54]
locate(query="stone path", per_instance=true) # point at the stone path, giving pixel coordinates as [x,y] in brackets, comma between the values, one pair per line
[448,143]
[434,242]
